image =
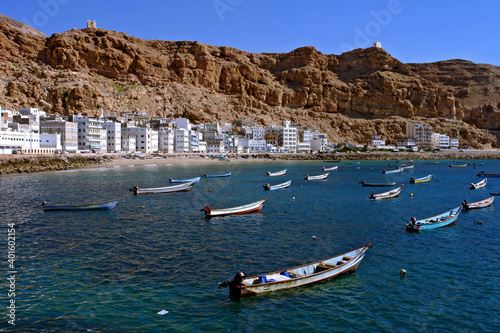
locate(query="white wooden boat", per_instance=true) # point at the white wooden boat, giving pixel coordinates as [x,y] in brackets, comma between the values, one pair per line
[166,189]
[249,208]
[386,195]
[277,173]
[331,169]
[458,165]
[217,176]
[301,276]
[442,220]
[409,167]
[482,183]
[318,177]
[425,179]
[100,205]
[196,180]
[478,204]
[268,187]
[398,170]
[376,184]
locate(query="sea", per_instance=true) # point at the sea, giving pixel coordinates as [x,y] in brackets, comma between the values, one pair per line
[154,262]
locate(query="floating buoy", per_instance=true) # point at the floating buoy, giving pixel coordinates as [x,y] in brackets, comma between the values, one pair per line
[402,272]
[209,190]
[411,195]
[142,207]
[314,237]
[301,186]
[293,198]
[480,222]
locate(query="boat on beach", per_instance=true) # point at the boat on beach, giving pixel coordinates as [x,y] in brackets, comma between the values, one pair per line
[439,221]
[277,173]
[244,209]
[100,205]
[166,189]
[399,170]
[376,184]
[386,195]
[300,276]
[268,187]
[478,204]
[482,183]
[331,169]
[196,180]
[216,176]
[318,177]
[425,179]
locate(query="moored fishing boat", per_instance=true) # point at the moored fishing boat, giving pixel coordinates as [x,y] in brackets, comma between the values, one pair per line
[100,205]
[277,173]
[386,195]
[331,161]
[399,170]
[425,179]
[301,276]
[489,174]
[478,204]
[458,165]
[439,221]
[482,183]
[196,180]
[243,209]
[166,189]
[494,193]
[409,166]
[376,184]
[331,169]
[318,177]
[268,187]
[353,163]
[215,176]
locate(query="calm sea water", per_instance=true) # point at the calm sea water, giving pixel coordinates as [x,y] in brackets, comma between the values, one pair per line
[113,271]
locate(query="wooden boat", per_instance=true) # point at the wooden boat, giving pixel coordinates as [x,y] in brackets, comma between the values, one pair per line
[353,163]
[442,220]
[100,205]
[386,195]
[409,166]
[166,189]
[478,204]
[432,162]
[458,165]
[196,180]
[425,179]
[301,276]
[399,170]
[215,176]
[318,177]
[249,208]
[494,193]
[482,183]
[331,161]
[268,187]
[376,184]
[489,174]
[277,173]
[331,169]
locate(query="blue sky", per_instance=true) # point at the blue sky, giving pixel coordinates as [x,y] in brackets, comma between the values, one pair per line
[410,30]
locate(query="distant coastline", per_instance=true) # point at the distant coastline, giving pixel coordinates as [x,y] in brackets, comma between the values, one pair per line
[12,164]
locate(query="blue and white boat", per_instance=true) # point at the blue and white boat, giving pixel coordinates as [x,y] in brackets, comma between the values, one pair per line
[268,187]
[215,176]
[197,180]
[100,205]
[439,221]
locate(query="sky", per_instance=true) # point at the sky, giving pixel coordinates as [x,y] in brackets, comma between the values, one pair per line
[412,31]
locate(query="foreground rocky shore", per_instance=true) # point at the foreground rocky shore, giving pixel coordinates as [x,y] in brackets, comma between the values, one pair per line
[10,164]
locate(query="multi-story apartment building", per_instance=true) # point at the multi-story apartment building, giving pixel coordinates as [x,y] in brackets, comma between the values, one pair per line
[215,146]
[91,134]
[68,131]
[421,133]
[440,141]
[181,140]
[166,140]
[113,136]
[146,139]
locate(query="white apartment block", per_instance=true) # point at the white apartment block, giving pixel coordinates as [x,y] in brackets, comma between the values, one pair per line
[202,147]
[258,133]
[253,146]
[304,147]
[166,140]
[91,134]
[50,142]
[377,141]
[182,123]
[440,141]
[454,143]
[181,140]
[5,118]
[318,144]
[113,136]
[146,139]
[215,146]
[129,144]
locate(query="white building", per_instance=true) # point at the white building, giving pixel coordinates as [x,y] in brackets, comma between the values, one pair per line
[454,143]
[182,123]
[166,140]
[215,146]
[129,144]
[440,141]
[304,146]
[181,140]
[50,142]
[421,133]
[113,136]
[253,146]
[258,133]
[91,134]
[377,141]
[68,131]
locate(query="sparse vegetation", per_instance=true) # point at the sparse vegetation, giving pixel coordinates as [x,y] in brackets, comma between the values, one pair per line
[63,94]
[34,70]
[118,87]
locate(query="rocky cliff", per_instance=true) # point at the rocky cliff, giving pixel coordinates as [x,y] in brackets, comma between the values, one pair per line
[351,96]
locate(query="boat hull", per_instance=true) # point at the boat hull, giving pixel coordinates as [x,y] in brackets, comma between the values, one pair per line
[445,219]
[481,184]
[319,177]
[377,184]
[393,171]
[217,176]
[244,209]
[268,187]
[184,187]
[306,275]
[331,169]
[277,173]
[387,195]
[420,180]
[480,204]
[101,205]
[196,180]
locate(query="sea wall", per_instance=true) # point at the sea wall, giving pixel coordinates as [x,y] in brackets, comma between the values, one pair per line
[28,164]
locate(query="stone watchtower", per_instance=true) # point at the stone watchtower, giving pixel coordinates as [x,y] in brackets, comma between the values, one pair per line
[91,24]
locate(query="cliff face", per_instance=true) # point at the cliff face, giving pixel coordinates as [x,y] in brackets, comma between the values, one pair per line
[350,97]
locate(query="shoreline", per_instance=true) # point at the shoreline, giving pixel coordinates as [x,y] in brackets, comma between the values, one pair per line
[12,164]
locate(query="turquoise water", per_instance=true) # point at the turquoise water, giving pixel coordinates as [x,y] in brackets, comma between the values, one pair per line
[113,271]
